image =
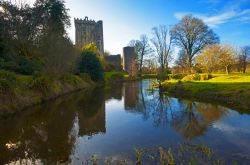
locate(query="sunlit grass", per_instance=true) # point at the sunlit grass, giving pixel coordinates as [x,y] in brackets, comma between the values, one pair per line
[233,89]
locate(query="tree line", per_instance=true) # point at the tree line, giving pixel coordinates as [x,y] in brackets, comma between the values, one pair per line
[34,39]
[199,49]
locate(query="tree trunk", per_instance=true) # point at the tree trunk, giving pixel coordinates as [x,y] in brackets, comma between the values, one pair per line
[227,70]
[244,68]
[190,65]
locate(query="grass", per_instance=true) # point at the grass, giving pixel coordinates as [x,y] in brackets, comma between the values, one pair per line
[115,76]
[20,91]
[232,90]
[183,153]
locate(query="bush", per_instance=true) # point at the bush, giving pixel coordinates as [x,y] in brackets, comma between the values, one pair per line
[192,77]
[205,77]
[162,76]
[41,83]
[176,76]
[89,63]
[7,82]
[197,77]
[114,76]
[85,77]
[27,66]
[72,80]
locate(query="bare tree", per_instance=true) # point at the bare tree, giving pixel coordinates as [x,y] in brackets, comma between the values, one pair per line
[162,43]
[226,56]
[208,59]
[182,60]
[142,49]
[243,58]
[192,35]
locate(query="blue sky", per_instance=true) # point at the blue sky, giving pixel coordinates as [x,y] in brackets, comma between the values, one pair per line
[125,20]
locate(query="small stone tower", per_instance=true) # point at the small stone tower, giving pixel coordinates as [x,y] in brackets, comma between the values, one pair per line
[88,31]
[129,57]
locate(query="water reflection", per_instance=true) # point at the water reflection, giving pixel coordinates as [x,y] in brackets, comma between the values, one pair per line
[58,131]
[44,133]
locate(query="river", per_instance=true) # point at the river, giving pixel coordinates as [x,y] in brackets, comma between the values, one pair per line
[112,121]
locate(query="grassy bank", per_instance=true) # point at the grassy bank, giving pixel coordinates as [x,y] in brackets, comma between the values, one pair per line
[231,90]
[19,91]
[118,76]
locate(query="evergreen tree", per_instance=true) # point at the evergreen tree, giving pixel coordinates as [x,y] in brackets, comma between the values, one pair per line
[90,63]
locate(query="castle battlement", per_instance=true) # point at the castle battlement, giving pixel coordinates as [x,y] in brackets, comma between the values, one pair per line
[89,31]
[86,20]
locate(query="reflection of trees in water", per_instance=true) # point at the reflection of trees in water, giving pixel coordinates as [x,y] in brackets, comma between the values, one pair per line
[193,119]
[113,91]
[160,109]
[187,121]
[45,131]
[190,119]
[151,104]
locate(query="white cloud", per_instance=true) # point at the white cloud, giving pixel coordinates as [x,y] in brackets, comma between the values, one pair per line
[221,18]
[1,9]
[231,11]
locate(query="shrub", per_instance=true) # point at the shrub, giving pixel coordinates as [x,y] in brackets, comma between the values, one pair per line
[192,77]
[89,63]
[7,81]
[27,66]
[176,76]
[117,77]
[162,76]
[41,83]
[72,80]
[197,77]
[85,77]
[205,77]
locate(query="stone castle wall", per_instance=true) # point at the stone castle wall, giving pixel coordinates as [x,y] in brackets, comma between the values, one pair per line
[128,58]
[89,31]
[114,60]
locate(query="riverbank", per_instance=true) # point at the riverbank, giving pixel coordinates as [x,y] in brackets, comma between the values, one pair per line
[230,90]
[19,91]
[118,76]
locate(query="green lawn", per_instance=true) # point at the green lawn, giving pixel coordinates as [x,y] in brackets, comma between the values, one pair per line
[232,89]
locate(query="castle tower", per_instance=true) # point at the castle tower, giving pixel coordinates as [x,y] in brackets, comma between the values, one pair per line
[129,57]
[88,31]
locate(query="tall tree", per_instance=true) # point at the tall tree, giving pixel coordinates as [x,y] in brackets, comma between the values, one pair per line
[182,60]
[192,35]
[226,56]
[89,62]
[209,57]
[243,58]
[55,46]
[162,44]
[142,49]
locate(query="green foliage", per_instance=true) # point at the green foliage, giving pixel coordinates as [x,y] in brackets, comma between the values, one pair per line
[91,48]
[139,154]
[85,77]
[27,66]
[114,76]
[72,80]
[7,82]
[162,76]
[166,157]
[89,63]
[41,83]
[176,76]
[232,90]
[204,77]
[197,77]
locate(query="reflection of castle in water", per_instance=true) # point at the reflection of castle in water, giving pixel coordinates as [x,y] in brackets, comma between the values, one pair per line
[130,92]
[92,124]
